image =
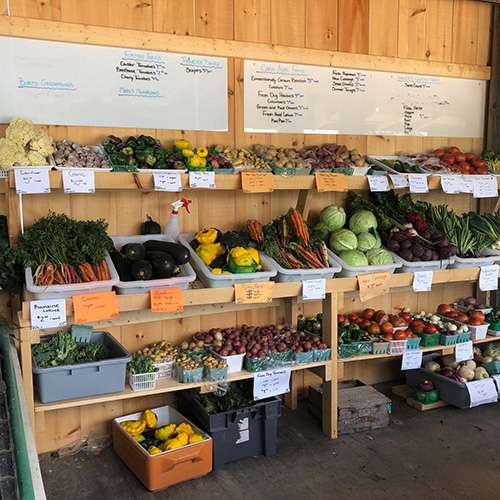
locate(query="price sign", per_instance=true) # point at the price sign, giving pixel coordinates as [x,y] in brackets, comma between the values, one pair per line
[166,300]
[78,181]
[463,351]
[95,307]
[398,181]
[496,378]
[422,281]
[485,186]
[31,180]
[482,392]
[327,181]
[412,359]
[202,180]
[488,278]
[167,181]
[253,293]
[257,182]
[271,383]
[451,184]
[418,183]
[47,313]
[373,285]
[314,289]
[378,183]
[467,184]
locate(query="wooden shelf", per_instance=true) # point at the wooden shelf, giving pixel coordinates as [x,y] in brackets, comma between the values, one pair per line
[162,386]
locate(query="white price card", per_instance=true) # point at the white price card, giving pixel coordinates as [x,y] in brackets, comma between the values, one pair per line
[451,184]
[78,181]
[31,180]
[485,186]
[47,313]
[167,181]
[412,359]
[467,184]
[463,351]
[202,180]
[422,281]
[482,392]
[271,383]
[314,289]
[399,181]
[496,378]
[488,278]
[418,183]
[378,183]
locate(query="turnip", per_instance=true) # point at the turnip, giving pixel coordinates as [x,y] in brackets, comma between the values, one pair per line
[261,354]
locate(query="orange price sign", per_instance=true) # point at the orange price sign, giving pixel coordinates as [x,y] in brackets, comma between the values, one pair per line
[95,307]
[166,300]
[253,293]
[257,182]
[328,181]
[373,285]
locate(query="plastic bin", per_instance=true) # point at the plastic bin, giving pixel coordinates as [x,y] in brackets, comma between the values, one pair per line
[448,339]
[211,280]
[142,381]
[321,354]
[431,265]
[236,434]
[165,369]
[492,368]
[345,351]
[234,363]
[303,358]
[284,275]
[396,346]
[478,332]
[463,337]
[67,291]
[214,374]
[348,271]
[86,379]
[477,262]
[170,467]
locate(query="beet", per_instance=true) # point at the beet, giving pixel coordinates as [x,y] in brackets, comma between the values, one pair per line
[426,235]
[418,250]
[406,254]
[426,255]
[444,253]
[437,236]
[435,255]
[393,246]
[416,259]
[399,236]
[443,243]
[453,250]
[406,244]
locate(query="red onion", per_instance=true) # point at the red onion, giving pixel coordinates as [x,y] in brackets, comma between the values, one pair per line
[426,386]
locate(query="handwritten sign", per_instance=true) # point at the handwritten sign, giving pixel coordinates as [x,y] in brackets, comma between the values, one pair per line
[463,351]
[488,278]
[485,186]
[271,383]
[31,180]
[253,293]
[202,180]
[327,181]
[496,378]
[78,181]
[257,182]
[47,313]
[373,285]
[167,181]
[482,392]
[422,281]
[166,300]
[95,307]
[467,184]
[411,359]
[314,289]
[418,183]
[451,184]
[399,181]
[378,183]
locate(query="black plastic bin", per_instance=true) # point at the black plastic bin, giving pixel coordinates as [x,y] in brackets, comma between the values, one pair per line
[239,433]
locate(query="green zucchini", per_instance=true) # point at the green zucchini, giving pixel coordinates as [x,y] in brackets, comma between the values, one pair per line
[135,251]
[142,270]
[122,267]
[178,252]
[163,264]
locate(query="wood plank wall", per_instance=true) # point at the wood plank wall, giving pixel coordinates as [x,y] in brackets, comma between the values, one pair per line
[455,31]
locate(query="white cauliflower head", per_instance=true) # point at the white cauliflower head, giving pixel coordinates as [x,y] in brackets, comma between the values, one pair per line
[20,131]
[41,143]
[36,159]
[11,154]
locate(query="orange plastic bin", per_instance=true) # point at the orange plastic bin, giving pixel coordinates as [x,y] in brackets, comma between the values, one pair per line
[170,467]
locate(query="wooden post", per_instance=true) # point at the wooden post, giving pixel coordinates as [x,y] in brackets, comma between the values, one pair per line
[291,399]
[25,334]
[493,126]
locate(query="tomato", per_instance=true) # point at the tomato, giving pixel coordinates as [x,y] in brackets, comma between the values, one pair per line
[365,324]
[406,317]
[477,315]
[400,335]
[408,333]
[475,322]
[464,165]
[478,163]
[420,328]
[414,322]
[459,156]
[451,314]
[431,329]
[368,313]
[378,315]
[452,149]
[388,336]
[462,317]
[340,318]
[373,330]
[398,321]
[469,156]
[464,171]
[353,318]
[442,309]
[386,327]
[448,159]
[385,319]
[482,171]
[438,153]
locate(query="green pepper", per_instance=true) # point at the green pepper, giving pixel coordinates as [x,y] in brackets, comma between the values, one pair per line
[110,148]
[118,158]
[149,151]
[141,156]
[131,144]
[145,141]
[150,160]
[128,151]
[161,154]
[160,165]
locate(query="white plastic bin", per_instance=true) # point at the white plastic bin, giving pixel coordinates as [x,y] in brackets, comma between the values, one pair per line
[348,271]
[285,275]
[430,265]
[234,363]
[142,381]
[211,280]
[140,286]
[397,346]
[474,262]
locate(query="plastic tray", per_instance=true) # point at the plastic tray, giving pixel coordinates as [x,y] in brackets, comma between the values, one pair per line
[377,160]
[303,358]
[428,339]
[256,364]
[67,291]
[97,149]
[431,265]
[350,271]
[211,280]
[165,369]
[477,262]
[234,363]
[140,286]
[321,354]
[284,275]
[142,381]
[492,368]
[478,332]
[56,383]
[448,339]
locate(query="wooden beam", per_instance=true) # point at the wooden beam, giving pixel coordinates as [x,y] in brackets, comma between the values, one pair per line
[493,124]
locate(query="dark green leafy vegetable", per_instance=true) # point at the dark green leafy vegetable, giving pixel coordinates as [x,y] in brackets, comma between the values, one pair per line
[239,394]
[140,364]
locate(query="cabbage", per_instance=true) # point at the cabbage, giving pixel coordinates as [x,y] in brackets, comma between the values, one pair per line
[354,258]
[333,217]
[343,239]
[362,222]
[379,257]
[366,241]
[321,231]
[377,237]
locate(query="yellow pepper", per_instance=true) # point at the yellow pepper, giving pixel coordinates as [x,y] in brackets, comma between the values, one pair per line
[181,144]
[202,152]
[134,427]
[153,450]
[238,252]
[195,438]
[165,432]
[139,438]
[187,153]
[194,160]
[184,428]
[150,418]
[208,235]
[207,252]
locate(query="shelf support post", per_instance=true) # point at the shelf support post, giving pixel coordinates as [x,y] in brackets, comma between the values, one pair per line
[291,398]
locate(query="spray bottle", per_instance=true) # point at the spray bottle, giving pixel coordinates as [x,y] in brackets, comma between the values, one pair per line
[172,228]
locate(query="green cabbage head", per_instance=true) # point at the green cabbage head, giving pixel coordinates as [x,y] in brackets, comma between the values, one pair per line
[362,221]
[333,217]
[354,258]
[343,239]
[379,257]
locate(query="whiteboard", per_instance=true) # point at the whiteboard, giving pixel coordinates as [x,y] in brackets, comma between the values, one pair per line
[292,98]
[57,83]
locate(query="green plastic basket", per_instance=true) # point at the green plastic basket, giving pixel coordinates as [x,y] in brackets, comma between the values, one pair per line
[256,364]
[428,339]
[303,171]
[285,172]
[281,357]
[220,171]
[365,347]
[413,343]
[376,172]
[448,339]
[492,368]
[214,374]
[463,337]
[380,347]
[185,376]
[426,398]
[234,268]
[348,350]
[494,326]
[303,358]
[341,170]
[321,354]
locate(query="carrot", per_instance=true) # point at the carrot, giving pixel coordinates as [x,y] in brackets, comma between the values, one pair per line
[89,271]
[255,230]
[58,278]
[84,273]
[97,272]
[107,276]
[46,276]
[300,226]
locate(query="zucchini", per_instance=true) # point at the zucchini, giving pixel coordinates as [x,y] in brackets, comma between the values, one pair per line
[142,270]
[163,264]
[135,251]
[177,251]
[122,267]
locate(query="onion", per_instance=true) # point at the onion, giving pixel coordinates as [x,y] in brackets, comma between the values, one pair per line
[426,386]
[447,372]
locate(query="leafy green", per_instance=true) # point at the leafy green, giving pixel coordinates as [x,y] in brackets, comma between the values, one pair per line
[140,364]
[239,394]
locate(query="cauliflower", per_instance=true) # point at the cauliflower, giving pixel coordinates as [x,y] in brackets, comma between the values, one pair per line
[11,154]
[36,158]
[20,131]
[41,143]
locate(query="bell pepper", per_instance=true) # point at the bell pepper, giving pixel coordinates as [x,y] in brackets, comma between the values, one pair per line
[183,437]
[184,428]
[146,141]
[181,144]
[149,151]
[128,151]
[150,160]
[208,235]
[141,156]
[134,427]
[202,152]
[139,438]
[207,252]
[118,158]
[131,144]
[195,438]
[172,444]
[153,450]
[150,418]
[187,153]
[165,432]
[194,161]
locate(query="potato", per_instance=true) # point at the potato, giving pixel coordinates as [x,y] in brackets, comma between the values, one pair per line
[359,163]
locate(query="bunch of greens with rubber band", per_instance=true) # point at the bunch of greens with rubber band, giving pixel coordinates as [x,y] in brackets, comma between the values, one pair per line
[11,265]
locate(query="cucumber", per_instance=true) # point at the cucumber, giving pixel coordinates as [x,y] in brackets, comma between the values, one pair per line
[142,270]
[178,252]
[163,264]
[135,251]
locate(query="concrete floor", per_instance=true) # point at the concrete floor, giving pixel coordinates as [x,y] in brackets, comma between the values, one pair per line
[445,453]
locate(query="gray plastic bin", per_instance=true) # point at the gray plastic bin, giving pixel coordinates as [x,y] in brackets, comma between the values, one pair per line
[86,379]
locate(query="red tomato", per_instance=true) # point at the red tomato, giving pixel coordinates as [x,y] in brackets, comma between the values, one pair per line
[340,318]
[365,324]
[464,165]
[475,322]
[386,327]
[482,171]
[459,156]
[444,308]
[462,317]
[477,315]
[373,329]
[431,329]
[353,318]
[469,156]
[368,313]
[420,328]
[406,317]
[452,149]
[438,153]
[478,163]
[448,159]
[400,335]
[464,172]
[415,322]
[451,314]
[378,315]
[388,336]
